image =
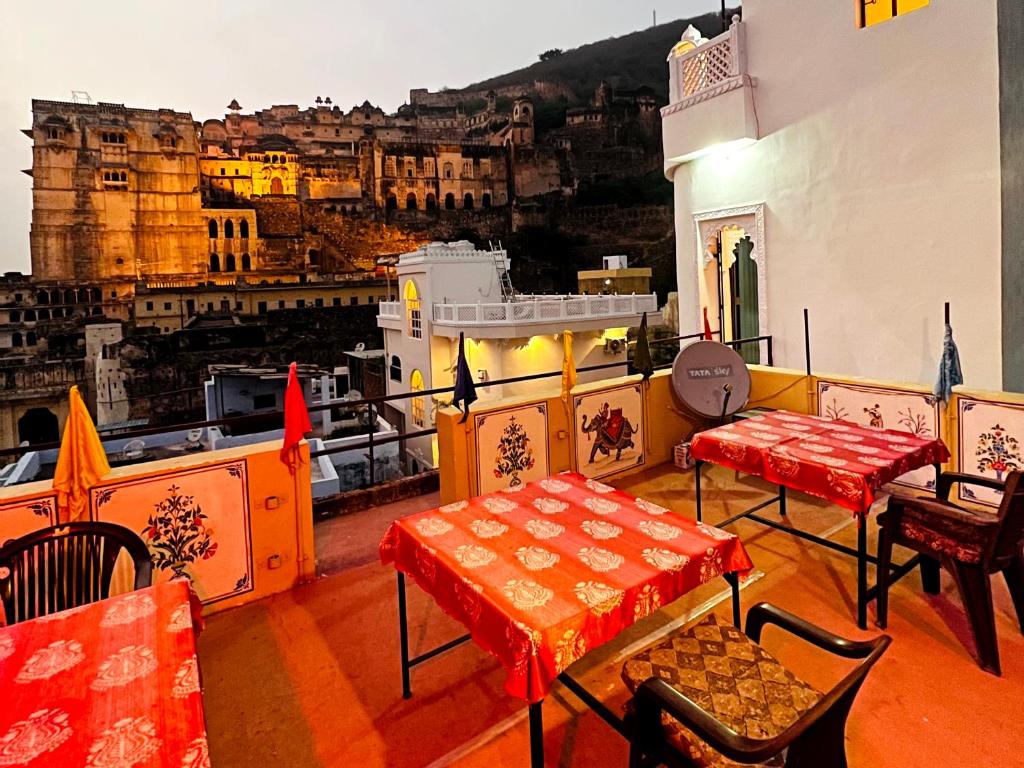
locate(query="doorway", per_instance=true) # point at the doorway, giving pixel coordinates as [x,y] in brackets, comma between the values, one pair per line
[38,425]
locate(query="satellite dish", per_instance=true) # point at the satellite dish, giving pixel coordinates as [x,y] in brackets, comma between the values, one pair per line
[194,435]
[354,394]
[711,379]
[360,347]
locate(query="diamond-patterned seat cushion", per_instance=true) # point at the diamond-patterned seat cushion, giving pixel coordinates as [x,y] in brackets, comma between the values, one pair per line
[958,539]
[729,676]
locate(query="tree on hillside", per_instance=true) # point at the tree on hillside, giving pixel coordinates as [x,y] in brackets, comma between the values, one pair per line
[554,53]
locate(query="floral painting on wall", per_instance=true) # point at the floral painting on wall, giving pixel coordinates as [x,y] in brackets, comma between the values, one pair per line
[991,443]
[512,447]
[23,516]
[899,409]
[609,431]
[196,523]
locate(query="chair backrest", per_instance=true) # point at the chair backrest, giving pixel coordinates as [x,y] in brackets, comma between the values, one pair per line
[65,566]
[1011,516]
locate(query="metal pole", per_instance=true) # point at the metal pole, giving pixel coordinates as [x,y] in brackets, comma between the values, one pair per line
[536,735]
[721,288]
[862,572]
[807,342]
[372,420]
[403,637]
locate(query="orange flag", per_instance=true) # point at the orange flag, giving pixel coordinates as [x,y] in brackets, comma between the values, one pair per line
[296,421]
[81,461]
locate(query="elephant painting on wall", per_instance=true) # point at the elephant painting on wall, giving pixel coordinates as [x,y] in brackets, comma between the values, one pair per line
[609,431]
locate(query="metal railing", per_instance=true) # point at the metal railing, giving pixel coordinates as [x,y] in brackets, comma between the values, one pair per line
[372,405]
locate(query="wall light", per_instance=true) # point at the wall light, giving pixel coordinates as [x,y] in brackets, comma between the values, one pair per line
[725,148]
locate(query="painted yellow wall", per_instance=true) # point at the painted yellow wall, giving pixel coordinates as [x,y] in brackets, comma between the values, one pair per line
[280,512]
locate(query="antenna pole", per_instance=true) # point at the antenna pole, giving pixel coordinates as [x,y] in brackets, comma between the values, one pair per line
[807,342]
[947,313]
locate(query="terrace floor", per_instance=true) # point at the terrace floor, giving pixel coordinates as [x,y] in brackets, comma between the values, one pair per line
[311,677]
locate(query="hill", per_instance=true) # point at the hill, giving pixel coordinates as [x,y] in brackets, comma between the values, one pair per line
[628,61]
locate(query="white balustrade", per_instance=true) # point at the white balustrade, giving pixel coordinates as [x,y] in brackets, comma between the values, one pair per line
[701,71]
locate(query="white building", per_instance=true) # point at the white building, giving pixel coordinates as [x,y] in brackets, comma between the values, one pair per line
[875,169]
[450,287]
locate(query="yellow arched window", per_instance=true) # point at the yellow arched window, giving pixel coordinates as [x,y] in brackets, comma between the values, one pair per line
[418,409]
[413,313]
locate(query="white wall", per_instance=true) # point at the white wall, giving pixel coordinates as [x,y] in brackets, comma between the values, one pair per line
[879,170]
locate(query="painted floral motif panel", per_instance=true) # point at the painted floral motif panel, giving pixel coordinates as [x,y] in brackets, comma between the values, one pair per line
[23,516]
[512,447]
[609,431]
[901,410]
[196,523]
[991,443]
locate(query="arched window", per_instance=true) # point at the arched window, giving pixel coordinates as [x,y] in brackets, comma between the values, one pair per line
[83,295]
[97,294]
[467,201]
[30,315]
[42,297]
[314,257]
[16,340]
[449,202]
[485,201]
[395,369]
[15,316]
[229,229]
[30,339]
[391,202]
[69,296]
[410,201]
[214,262]
[124,176]
[212,227]
[229,263]
[431,202]
[449,169]
[246,262]
[419,416]
[412,309]
[243,229]
[276,186]
[44,314]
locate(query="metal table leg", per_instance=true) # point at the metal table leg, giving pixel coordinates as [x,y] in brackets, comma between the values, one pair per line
[862,571]
[403,634]
[536,735]
[696,469]
[782,500]
[734,582]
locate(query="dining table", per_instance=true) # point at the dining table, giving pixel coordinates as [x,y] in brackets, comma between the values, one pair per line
[844,463]
[104,685]
[544,572]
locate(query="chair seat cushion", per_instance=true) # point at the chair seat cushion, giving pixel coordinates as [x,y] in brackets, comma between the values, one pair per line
[721,670]
[957,539]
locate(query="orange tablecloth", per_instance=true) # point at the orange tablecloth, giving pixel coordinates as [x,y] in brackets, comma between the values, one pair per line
[554,569]
[839,461]
[113,683]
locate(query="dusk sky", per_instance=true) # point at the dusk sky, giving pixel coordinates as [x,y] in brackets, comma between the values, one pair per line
[196,56]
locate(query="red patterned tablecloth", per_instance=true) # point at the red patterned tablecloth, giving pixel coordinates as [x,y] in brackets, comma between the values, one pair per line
[110,684]
[839,461]
[546,572]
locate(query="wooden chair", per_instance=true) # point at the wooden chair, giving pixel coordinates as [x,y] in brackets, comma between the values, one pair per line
[711,696]
[66,566]
[970,545]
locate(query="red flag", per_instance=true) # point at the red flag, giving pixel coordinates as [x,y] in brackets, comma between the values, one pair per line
[296,421]
[707,326]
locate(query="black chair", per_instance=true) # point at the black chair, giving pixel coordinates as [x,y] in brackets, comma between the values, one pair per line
[972,546]
[711,696]
[66,566]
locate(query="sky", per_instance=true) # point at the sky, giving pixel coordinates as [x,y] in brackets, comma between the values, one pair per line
[195,57]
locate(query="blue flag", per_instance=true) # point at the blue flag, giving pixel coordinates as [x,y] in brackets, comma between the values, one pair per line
[465,389]
[949,367]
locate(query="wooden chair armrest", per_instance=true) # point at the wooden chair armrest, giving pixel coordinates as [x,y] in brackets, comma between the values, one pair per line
[764,613]
[948,479]
[941,509]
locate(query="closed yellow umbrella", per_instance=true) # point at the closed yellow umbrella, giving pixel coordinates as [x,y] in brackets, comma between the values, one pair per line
[568,367]
[81,463]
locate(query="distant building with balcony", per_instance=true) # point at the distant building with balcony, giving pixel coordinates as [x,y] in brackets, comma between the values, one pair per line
[860,160]
[445,288]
